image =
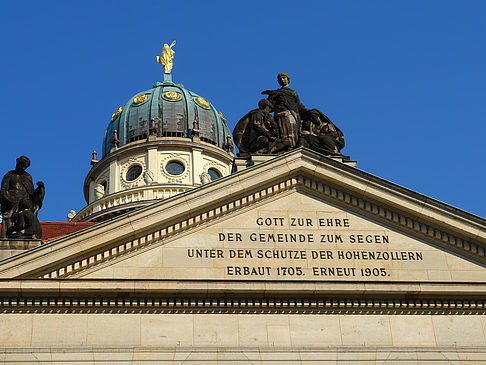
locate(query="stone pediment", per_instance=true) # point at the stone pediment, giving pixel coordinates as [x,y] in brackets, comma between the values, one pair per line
[297,217]
[292,236]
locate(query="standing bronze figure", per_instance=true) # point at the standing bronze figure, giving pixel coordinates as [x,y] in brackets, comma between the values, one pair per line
[20,203]
[287,109]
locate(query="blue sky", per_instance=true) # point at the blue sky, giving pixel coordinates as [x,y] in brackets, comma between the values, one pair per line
[404,80]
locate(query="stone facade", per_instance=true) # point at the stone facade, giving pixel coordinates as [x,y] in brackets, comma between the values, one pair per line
[298,259]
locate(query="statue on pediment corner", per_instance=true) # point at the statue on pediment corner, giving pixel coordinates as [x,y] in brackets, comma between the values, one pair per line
[20,203]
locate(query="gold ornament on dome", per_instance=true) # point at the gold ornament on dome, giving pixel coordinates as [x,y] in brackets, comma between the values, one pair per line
[117,113]
[166,58]
[140,99]
[172,95]
[222,118]
[203,102]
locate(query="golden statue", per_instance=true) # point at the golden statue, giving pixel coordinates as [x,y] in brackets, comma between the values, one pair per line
[166,57]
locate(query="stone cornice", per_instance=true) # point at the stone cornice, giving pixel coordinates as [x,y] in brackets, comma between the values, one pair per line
[131,287]
[190,296]
[301,169]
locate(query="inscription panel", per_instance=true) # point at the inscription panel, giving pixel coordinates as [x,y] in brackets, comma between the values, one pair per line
[297,237]
[312,245]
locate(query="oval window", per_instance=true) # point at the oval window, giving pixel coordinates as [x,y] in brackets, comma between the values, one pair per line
[175,168]
[134,172]
[215,174]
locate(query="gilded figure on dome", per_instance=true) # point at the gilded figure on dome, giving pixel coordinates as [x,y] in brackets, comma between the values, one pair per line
[166,58]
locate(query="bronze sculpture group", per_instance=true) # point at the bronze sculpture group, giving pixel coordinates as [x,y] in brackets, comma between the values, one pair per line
[258,132]
[20,203]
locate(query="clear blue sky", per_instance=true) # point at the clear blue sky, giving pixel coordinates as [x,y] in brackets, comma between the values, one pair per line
[404,80]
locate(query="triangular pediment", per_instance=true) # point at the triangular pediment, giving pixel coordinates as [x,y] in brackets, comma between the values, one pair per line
[299,216]
[294,236]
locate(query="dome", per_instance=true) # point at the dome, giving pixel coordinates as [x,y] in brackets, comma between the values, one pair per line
[168,140]
[176,112]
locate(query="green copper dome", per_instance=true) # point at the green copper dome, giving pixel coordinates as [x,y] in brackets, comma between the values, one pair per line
[176,112]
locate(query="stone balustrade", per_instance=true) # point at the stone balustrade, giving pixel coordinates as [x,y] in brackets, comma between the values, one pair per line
[130,197]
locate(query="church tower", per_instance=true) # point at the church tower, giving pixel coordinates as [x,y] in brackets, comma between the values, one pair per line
[162,142]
